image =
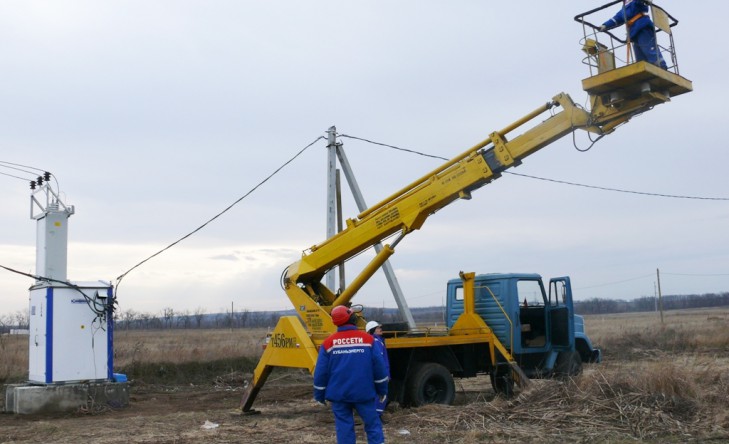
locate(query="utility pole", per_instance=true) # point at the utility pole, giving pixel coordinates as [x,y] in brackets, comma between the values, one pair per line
[660,297]
[331,192]
[334,219]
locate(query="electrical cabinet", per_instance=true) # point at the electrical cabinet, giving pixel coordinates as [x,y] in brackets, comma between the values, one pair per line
[71,333]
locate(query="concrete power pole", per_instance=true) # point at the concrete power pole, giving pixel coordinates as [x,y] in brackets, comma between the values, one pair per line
[331,193]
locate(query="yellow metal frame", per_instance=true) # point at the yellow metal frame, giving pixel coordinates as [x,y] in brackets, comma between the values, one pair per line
[615,96]
[289,345]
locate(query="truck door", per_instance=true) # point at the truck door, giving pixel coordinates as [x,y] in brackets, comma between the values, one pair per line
[532,305]
[561,313]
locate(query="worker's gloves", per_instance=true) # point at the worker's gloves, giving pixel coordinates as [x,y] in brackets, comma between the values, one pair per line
[602,28]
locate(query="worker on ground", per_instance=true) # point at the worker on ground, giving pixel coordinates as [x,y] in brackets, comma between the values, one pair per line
[351,375]
[641,31]
[375,329]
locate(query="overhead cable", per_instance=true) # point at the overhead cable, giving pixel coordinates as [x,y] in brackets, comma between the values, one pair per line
[393,147]
[564,182]
[98,308]
[16,177]
[16,167]
[20,165]
[617,190]
[120,277]
[696,274]
[34,176]
[616,282]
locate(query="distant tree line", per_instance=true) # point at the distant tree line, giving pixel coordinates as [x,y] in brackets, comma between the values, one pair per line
[169,318]
[672,302]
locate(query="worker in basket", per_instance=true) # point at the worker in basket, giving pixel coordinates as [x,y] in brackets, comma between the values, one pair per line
[641,31]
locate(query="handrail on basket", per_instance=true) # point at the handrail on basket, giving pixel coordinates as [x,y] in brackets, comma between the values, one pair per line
[580,18]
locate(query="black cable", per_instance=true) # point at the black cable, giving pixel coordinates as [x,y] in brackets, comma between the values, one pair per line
[120,277]
[393,147]
[22,273]
[20,165]
[17,177]
[617,190]
[616,282]
[98,309]
[673,196]
[32,179]
[17,169]
[695,275]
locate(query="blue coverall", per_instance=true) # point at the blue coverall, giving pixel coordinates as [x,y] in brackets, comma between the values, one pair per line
[350,375]
[640,30]
[381,349]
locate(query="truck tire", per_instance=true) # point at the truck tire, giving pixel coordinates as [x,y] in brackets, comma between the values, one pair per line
[568,364]
[430,383]
[502,383]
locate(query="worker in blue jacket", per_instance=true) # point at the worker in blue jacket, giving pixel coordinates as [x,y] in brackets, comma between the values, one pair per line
[641,31]
[350,375]
[375,329]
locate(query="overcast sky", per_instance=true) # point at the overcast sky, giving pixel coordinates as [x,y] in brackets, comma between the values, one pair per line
[154,116]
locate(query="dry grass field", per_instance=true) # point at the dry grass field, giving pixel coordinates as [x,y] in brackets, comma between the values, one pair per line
[659,383]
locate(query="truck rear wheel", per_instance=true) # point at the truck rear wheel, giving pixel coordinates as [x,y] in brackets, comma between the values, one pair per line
[430,383]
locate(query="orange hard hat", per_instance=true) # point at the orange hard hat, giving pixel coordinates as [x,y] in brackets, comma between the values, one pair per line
[341,315]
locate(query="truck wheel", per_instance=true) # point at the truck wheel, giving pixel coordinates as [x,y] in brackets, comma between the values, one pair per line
[430,383]
[568,364]
[502,383]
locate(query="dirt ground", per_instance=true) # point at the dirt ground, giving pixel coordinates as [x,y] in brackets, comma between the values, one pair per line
[179,414]
[287,414]
[665,384]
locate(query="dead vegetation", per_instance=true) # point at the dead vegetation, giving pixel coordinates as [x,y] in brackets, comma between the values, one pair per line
[616,404]
[659,383]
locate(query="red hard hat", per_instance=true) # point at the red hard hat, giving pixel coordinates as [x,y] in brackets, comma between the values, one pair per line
[341,315]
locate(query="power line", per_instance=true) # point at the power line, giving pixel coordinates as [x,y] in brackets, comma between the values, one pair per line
[616,282]
[96,307]
[16,177]
[695,274]
[393,147]
[8,165]
[617,190]
[120,277]
[20,165]
[36,178]
[564,182]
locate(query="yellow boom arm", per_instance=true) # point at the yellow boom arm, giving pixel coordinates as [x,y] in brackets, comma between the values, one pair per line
[615,96]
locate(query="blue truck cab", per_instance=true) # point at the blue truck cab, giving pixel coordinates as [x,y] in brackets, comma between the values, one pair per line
[538,327]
